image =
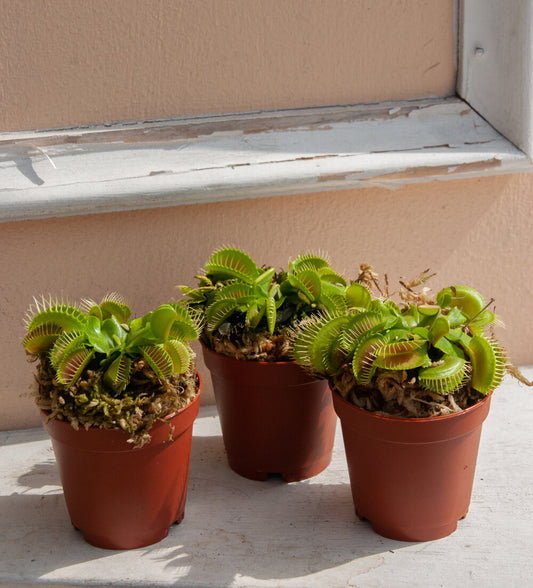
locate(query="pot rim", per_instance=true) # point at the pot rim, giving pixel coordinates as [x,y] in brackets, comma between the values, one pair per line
[395,419]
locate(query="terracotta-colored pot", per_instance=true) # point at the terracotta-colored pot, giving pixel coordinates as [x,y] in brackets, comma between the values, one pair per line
[275,418]
[118,496]
[411,478]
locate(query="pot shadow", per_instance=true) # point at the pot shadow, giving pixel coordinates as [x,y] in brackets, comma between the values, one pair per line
[37,537]
[41,475]
[235,527]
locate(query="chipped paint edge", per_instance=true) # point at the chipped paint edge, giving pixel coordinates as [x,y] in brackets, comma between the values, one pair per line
[302,173]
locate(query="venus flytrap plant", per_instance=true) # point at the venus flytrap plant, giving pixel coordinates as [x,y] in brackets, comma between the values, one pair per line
[98,367]
[248,308]
[249,311]
[421,358]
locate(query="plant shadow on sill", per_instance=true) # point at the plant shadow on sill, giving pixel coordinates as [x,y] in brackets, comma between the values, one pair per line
[233,527]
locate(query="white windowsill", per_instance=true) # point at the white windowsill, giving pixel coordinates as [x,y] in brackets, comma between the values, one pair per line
[205,159]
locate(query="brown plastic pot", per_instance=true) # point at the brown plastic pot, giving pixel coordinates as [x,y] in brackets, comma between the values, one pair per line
[118,496]
[411,478]
[275,418]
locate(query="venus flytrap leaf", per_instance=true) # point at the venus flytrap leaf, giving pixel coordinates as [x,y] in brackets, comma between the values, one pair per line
[419,333]
[158,359]
[174,321]
[180,354]
[114,305]
[456,318]
[483,320]
[41,339]
[312,283]
[488,364]
[357,325]
[333,304]
[244,293]
[364,357]
[333,291]
[67,344]
[428,310]
[305,291]
[392,307]
[271,314]
[315,343]
[398,333]
[94,310]
[254,314]
[64,316]
[330,276]
[104,336]
[357,296]
[71,367]
[464,298]
[446,377]
[308,261]
[448,348]
[117,375]
[264,280]
[116,334]
[184,331]
[438,328]
[381,306]
[402,355]
[111,305]
[230,263]
[197,294]
[271,307]
[162,320]
[220,311]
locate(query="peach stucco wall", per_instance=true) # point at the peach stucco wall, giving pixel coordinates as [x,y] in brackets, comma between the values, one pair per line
[72,62]
[475,231]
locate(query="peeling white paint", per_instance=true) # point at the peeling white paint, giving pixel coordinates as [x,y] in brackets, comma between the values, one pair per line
[206,159]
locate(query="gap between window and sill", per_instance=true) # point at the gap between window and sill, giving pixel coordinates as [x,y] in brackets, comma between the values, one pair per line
[194,160]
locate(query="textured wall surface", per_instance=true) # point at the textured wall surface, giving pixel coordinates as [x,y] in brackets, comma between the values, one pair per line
[474,232]
[72,62]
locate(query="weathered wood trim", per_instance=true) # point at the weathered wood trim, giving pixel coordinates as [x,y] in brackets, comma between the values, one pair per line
[205,159]
[496,65]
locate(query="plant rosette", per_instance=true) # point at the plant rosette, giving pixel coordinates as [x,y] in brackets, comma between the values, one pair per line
[118,397]
[411,385]
[249,313]
[249,310]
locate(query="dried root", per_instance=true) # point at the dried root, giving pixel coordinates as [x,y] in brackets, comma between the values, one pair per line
[397,394]
[251,346]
